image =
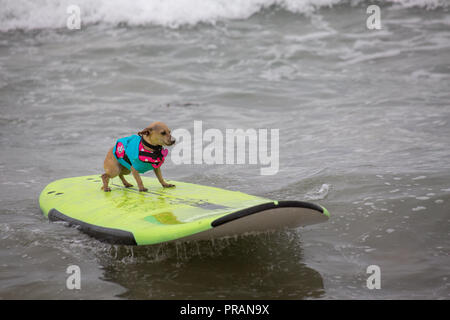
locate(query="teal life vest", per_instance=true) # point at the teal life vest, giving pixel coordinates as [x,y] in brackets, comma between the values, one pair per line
[130,151]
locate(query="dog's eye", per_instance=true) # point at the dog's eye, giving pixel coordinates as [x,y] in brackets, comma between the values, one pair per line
[163,133]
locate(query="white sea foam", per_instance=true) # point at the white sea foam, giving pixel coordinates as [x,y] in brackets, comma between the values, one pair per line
[41,14]
[318,194]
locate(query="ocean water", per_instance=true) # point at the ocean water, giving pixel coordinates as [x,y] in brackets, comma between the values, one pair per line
[364,130]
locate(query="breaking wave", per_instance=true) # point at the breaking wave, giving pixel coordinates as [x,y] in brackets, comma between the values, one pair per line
[44,14]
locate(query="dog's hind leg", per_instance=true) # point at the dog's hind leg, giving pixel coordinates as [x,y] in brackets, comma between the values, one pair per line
[105,179]
[123,171]
[112,169]
[125,182]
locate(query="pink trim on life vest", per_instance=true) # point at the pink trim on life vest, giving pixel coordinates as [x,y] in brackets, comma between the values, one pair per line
[120,150]
[156,163]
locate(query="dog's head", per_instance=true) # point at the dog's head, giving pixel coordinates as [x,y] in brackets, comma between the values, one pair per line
[157,134]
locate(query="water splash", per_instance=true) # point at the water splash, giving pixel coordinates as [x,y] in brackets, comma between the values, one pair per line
[318,193]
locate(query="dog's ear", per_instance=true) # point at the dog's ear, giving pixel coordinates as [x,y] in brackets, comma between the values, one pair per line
[145,132]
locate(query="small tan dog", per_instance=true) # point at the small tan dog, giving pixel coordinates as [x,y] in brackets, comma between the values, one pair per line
[138,154]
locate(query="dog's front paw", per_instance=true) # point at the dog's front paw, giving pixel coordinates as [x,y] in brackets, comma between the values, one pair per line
[143,189]
[168,185]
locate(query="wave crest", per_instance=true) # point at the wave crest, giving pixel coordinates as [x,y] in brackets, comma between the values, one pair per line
[43,14]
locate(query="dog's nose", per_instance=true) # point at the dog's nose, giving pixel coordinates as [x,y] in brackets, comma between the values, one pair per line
[172,141]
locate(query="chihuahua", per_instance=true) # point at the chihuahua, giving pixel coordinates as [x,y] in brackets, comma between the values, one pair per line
[138,154]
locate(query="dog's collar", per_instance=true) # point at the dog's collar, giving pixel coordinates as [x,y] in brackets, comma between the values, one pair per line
[145,143]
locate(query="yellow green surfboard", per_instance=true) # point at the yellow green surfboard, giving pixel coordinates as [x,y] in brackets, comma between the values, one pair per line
[184,213]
